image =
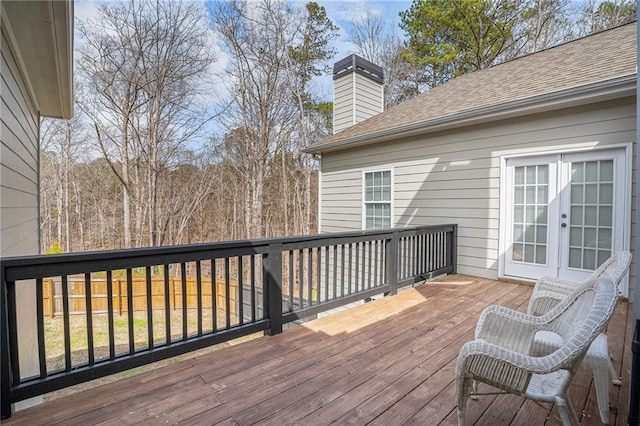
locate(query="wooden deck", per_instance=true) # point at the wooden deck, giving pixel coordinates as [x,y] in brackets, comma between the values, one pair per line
[387,362]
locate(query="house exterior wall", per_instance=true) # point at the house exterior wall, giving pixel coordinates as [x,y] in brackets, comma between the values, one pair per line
[454,176]
[19,183]
[19,161]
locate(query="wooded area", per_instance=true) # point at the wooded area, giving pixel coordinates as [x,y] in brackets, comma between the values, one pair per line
[158,154]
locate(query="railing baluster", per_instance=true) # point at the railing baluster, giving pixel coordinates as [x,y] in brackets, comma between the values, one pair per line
[350,266]
[335,271]
[253,287]
[290,281]
[357,282]
[309,276]
[318,272]
[148,283]
[112,337]
[376,278]
[89,313]
[342,270]
[132,339]
[369,266]
[185,310]
[300,279]
[167,306]
[199,295]
[227,293]
[42,357]
[240,290]
[66,324]
[326,273]
[214,296]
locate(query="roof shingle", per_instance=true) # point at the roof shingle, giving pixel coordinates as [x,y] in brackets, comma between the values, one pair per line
[599,57]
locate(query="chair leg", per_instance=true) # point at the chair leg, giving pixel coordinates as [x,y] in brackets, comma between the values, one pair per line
[461,416]
[615,379]
[601,382]
[567,413]
[474,390]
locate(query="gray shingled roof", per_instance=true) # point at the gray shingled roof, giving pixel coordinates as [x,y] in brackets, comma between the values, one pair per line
[597,58]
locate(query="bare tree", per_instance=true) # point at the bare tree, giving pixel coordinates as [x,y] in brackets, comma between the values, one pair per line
[378,41]
[258,123]
[595,16]
[143,66]
[62,144]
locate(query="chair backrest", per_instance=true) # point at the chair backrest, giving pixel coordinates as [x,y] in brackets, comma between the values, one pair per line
[581,317]
[616,266]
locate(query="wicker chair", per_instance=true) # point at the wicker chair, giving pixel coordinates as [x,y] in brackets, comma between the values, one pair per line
[547,293]
[500,354]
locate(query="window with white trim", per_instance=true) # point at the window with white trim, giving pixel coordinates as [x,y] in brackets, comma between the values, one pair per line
[377,199]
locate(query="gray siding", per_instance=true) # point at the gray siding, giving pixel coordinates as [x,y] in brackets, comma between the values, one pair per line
[368,98]
[343,103]
[19,161]
[19,217]
[454,176]
[355,98]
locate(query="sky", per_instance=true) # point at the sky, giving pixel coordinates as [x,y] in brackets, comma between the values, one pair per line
[342,12]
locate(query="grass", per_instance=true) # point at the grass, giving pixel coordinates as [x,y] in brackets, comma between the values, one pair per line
[54,341]
[78,334]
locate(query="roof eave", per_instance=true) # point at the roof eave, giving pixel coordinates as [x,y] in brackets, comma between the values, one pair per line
[600,91]
[41,34]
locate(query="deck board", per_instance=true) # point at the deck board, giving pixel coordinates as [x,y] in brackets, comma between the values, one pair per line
[391,361]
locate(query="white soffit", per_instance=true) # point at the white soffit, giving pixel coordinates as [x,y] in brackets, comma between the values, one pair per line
[43,34]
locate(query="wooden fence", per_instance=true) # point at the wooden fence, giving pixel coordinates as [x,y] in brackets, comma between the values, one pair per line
[52,294]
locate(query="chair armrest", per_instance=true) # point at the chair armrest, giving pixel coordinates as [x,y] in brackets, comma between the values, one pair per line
[547,293]
[556,284]
[507,328]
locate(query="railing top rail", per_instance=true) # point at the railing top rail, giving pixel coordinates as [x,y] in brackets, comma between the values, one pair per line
[41,266]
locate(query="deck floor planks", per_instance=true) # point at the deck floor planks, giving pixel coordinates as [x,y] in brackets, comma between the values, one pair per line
[391,361]
[322,366]
[438,354]
[403,361]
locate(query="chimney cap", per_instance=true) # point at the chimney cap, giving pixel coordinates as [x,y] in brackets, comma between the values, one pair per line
[354,63]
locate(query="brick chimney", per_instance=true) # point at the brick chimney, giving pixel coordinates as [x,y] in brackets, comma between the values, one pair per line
[357,91]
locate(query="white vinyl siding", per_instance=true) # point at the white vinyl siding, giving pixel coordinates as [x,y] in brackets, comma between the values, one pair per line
[454,176]
[19,161]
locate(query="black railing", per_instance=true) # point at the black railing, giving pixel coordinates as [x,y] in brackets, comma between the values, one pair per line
[100,313]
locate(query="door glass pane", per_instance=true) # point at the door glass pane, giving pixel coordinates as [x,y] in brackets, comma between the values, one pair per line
[530,215]
[591,213]
[606,171]
[577,172]
[541,234]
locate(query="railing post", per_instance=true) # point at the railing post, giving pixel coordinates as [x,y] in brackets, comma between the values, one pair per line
[454,249]
[273,279]
[391,262]
[5,366]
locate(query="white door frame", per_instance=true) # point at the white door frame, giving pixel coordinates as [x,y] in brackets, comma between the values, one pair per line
[538,152]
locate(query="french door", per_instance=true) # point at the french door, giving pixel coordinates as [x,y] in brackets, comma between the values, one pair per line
[565,213]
